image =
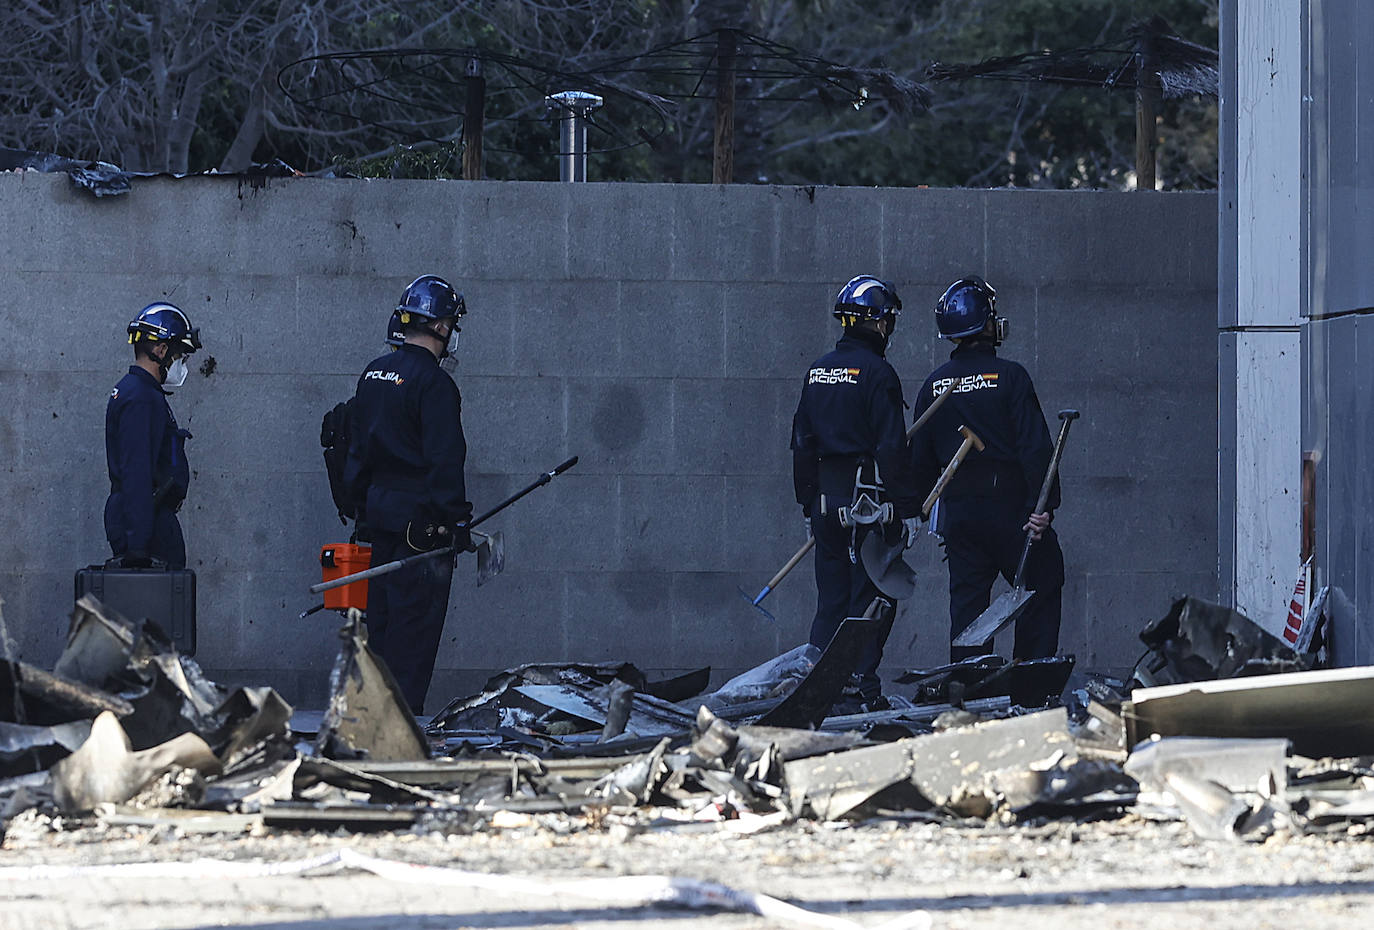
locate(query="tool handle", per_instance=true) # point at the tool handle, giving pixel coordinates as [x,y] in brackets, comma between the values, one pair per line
[392,566]
[1066,418]
[534,485]
[940,398]
[946,475]
[792,562]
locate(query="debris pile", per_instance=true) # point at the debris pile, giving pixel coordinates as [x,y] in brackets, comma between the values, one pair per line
[127,731]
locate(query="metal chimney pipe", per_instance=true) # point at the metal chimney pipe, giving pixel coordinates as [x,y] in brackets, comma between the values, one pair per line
[574,106]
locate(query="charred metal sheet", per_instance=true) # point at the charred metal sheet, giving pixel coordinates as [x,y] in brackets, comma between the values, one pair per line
[1200,641]
[248,789]
[105,769]
[683,687]
[1072,785]
[249,718]
[771,681]
[635,780]
[1029,682]
[644,718]
[799,744]
[481,711]
[291,815]
[1037,682]
[834,784]
[921,713]
[1322,713]
[809,704]
[648,715]
[1214,813]
[565,700]
[367,718]
[1101,733]
[183,821]
[25,749]
[619,700]
[975,770]
[932,684]
[449,773]
[713,741]
[380,789]
[32,696]
[1330,807]
[100,643]
[1235,764]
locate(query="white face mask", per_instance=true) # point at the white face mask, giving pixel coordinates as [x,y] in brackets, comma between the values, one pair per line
[450,359]
[176,373]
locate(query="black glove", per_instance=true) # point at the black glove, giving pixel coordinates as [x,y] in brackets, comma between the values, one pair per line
[462,539]
[423,537]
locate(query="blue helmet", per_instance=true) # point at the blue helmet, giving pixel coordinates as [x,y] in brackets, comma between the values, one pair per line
[429,297]
[164,322]
[395,330]
[866,298]
[965,308]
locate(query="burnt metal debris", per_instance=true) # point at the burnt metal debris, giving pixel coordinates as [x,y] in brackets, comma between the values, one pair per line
[127,731]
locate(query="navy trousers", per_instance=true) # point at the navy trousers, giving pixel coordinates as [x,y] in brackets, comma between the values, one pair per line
[405,614]
[843,589]
[983,539]
[167,542]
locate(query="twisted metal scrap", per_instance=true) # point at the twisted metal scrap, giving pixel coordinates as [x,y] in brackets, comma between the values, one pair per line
[1184,68]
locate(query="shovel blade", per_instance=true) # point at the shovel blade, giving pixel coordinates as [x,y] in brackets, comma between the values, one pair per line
[491,556]
[990,622]
[889,572]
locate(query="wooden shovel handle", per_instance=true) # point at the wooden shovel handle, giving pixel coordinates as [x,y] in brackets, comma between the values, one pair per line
[940,398]
[1066,417]
[971,441]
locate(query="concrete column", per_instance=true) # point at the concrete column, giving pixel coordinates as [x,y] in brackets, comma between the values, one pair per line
[1261,305]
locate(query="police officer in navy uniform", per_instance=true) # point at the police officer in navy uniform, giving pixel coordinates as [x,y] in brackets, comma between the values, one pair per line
[986,511]
[848,432]
[145,451]
[404,475]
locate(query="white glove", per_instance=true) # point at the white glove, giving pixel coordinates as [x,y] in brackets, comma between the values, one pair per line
[911,528]
[807,520]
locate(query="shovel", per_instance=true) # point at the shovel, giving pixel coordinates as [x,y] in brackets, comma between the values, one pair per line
[883,560]
[810,543]
[491,555]
[1010,605]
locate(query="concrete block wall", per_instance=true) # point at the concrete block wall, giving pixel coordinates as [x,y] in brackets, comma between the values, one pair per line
[660,332]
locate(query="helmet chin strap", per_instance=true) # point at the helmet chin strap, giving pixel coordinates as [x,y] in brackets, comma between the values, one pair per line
[445,338]
[163,363]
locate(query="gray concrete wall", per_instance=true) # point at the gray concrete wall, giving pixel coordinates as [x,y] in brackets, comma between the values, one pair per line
[660,332]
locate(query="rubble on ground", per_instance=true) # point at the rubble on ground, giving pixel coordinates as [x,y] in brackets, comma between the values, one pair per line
[127,731]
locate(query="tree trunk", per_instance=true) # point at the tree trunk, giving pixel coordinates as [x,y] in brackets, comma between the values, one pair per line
[723,164]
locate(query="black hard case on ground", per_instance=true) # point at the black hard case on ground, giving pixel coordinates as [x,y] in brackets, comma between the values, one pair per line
[163,595]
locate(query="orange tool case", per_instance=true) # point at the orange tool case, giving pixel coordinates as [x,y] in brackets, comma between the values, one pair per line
[337,560]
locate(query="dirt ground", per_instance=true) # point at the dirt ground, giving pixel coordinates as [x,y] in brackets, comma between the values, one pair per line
[1125,873]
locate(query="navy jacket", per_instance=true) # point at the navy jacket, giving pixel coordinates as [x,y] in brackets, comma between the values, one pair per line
[852,408]
[407,451]
[145,453]
[996,399]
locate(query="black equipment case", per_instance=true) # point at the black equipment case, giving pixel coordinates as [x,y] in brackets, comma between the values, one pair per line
[166,596]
